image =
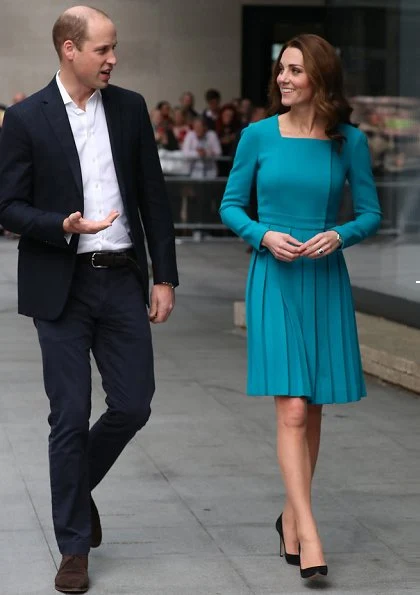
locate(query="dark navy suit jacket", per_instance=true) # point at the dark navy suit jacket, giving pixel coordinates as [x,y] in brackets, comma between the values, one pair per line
[41,184]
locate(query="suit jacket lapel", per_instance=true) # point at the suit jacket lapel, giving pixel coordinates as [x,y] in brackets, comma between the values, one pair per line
[56,114]
[113,120]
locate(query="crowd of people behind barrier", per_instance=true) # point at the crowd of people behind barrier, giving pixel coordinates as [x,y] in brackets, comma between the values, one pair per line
[201,145]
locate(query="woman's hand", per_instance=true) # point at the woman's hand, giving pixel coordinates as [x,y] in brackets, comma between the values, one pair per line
[326,242]
[282,245]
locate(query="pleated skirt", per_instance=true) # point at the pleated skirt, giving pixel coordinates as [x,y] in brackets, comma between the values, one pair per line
[302,333]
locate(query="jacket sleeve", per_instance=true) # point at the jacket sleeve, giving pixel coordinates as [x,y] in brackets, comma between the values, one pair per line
[154,206]
[17,212]
[367,212]
[238,191]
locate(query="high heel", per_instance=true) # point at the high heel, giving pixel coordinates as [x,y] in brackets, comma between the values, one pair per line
[313,571]
[293,559]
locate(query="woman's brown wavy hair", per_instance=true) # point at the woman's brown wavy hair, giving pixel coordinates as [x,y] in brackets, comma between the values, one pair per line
[323,67]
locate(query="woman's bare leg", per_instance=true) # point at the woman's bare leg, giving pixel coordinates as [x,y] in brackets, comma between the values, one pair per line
[297,462]
[313,433]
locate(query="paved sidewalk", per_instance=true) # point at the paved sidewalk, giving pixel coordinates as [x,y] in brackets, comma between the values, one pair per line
[189,509]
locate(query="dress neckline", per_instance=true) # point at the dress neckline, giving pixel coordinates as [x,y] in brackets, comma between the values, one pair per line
[322,140]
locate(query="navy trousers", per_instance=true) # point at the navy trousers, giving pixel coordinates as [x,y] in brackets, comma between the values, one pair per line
[106,316]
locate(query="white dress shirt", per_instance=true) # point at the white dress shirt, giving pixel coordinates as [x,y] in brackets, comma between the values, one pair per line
[100,186]
[202,167]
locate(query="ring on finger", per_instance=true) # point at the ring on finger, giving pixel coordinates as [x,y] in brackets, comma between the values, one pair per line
[321,251]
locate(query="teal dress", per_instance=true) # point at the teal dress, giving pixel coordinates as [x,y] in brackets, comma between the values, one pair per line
[302,334]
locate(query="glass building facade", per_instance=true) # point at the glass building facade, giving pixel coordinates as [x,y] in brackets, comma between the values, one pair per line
[380,45]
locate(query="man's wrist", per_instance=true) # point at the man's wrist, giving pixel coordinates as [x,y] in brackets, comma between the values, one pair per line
[168,283]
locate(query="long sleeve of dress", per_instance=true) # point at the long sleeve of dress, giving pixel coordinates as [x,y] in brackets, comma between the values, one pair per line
[238,190]
[366,207]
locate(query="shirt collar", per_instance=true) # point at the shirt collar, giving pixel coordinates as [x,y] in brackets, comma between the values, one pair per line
[66,97]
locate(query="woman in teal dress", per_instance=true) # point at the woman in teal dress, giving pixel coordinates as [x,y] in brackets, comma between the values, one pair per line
[302,337]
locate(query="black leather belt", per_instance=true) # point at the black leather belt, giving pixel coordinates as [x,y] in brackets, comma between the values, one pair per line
[107,259]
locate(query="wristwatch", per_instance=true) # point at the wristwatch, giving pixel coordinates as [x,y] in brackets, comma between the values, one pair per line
[339,240]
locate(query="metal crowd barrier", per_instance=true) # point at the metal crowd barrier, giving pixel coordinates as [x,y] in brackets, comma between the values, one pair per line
[195,187]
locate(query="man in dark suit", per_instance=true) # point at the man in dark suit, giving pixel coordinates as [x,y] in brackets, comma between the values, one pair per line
[79,180]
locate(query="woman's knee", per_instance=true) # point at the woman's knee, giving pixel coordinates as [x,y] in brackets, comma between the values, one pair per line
[293,412]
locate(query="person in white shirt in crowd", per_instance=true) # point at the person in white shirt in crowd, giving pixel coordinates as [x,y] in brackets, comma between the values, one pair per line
[203,145]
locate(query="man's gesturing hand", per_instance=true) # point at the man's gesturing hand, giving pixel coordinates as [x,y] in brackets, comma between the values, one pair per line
[75,223]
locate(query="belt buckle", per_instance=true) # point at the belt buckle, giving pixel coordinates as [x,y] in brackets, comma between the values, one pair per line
[97,266]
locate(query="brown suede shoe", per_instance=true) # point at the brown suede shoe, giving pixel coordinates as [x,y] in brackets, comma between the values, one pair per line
[72,576]
[96,529]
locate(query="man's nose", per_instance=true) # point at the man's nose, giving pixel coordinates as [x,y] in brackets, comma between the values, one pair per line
[112,58]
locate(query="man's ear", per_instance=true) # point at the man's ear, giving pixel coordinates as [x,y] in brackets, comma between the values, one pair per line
[69,50]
